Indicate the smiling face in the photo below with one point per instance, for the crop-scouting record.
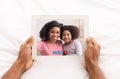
(54, 33)
(66, 36)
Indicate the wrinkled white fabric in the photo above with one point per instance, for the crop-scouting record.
(15, 28)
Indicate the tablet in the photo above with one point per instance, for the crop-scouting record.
(38, 21)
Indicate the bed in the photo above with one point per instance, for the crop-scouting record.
(15, 28)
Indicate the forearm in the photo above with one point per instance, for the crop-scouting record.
(16, 71)
(94, 71)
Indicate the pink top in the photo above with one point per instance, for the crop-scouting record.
(46, 48)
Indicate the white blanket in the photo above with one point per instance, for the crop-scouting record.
(15, 28)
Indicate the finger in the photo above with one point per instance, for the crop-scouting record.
(30, 42)
(94, 42)
(25, 42)
(22, 45)
(88, 41)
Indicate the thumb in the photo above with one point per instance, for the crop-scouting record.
(30, 41)
(88, 41)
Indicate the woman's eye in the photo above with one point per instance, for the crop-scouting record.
(58, 32)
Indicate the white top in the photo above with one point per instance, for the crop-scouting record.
(73, 48)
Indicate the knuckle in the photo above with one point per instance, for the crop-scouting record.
(91, 46)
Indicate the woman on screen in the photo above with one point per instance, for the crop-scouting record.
(50, 43)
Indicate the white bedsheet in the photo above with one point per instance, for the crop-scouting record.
(15, 28)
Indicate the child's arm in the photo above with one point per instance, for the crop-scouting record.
(78, 47)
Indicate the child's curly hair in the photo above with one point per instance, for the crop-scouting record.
(74, 30)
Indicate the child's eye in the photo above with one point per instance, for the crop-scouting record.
(63, 34)
(68, 34)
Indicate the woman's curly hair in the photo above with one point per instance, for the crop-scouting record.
(44, 32)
